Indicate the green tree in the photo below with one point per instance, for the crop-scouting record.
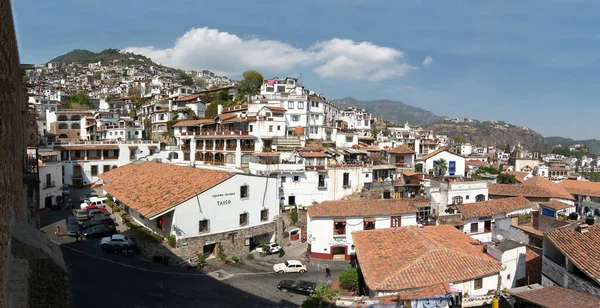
(223, 96)
(506, 178)
(78, 100)
(562, 151)
(374, 131)
(186, 79)
(440, 167)
(460, 139)
(321, 294)
(350, 276)
(294, 215)
(488, 169)
(251, 82)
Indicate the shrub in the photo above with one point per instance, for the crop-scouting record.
(201, 260)
(122, 214)
(294, 215)
(235, 259)
(350, 276)
(264, 247)
(171, 240)
(286, 234)
(221, 252)
(250, 257)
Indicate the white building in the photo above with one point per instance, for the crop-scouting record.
(512, 255)
(479, 217)
(455, 163)
(330, 224)
(434, 261)
(51, 177)
(443, 194)
(357, 119)
(202, 208)
(466, 149)
(85, 161)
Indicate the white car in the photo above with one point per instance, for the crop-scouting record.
(289, 266)
(118, 240)
(273, 248)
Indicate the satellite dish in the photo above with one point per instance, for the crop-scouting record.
(499, 237)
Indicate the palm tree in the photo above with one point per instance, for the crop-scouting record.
(440, 167)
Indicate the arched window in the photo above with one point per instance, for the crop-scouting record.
(480, 197)
(75, 126)
(62, 118)
(173, 155)
(199, 156)
(63, 126)
(75, 118)
(114, 167)
(457, 200)
(63, 136)
(230, 159)
(219, 157)
(246, 158)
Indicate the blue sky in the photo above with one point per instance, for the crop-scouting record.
(530, 63)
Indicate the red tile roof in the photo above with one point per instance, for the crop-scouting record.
(493, 207)
(556, 205)
(193, 122)
(535, 187)
(520, 176)
(82, 147)
(152, 188)
(187, 98)
(362, 208)
(313, 154)
(274, 108)
(583, 188)
(411, 257)
(418, 293)
(582, 249)
(440, 150)
(401, 149)
(311, 148)
(558, 297)
(477, 163)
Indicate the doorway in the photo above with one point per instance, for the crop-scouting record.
(291, 200)
(48, 202)
(209, 250)
(338, 252)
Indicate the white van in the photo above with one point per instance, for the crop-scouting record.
(97, 201)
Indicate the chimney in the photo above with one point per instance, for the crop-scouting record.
(219, 109)
(582, 228)
(535, 219)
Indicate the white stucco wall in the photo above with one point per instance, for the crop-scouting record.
(460, 162)
(222, 206)
(513, 261)
(55, 171)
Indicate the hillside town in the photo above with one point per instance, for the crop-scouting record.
(282, 170)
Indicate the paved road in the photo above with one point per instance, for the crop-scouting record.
(99, 282)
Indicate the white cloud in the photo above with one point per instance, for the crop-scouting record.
(228, 54)
(428, 60)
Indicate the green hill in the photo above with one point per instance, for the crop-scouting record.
(593, 145)
(85, 56)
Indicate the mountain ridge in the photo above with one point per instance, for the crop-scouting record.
(383, 108)
(86, 56)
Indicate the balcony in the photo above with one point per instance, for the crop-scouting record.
(216, 133)
(248, 149)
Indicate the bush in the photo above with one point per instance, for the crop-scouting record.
(294, 215)
(201, 260)
(145, 233)
(250, 257)
(235, 259)
(350, 276)
(264, 247)
(171, 240)
(221, 252)
(122, 214)
(286, 234)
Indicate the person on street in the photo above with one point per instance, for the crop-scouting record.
(328, 271)
(57, 232)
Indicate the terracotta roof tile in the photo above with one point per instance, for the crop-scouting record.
(401, 149)
(187, 98)
(313, 154)
(583, 188)
(535, 187)
(428, 156)
(477, 163)
(274, 108)
(520, 176)
(582, 249)
(556, 205)
(418, 293)
(311, 148)
(493, 207)
(82, 147)
(158, 187)
(558, 297)
(411, 257)
(369, 207)
(193, 122)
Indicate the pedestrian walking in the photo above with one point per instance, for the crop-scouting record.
(328, 271)
(77, 236)
(57, 232)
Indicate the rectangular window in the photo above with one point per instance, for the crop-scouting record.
(244, 191)
(280, 88)
(321, 180)
(346, 179)
(369, 224)
(243, 219)
(203, 226)
(396, 221)
(270, 89)
(290, 105)
(295, 118)
(478, 283)
(94, 170)
(296, 178)
(349, 138)
(339, 226)
(474, 227)
(270, 128)
(451, 167)
(300, 105)
(250, 128)
(467, 197)
(283, 179)
(264, 215)
(278, 127)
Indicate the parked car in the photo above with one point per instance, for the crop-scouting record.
(80, 215)
(289, 266)
(93, 207)
(73, 226)
(273, 248)
(96, 211)
(92, 194)
(116, 241)
(98, 220)
(99, 231)
(96, 201)
(297, 286)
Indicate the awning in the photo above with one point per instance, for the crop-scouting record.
(369, 219)
(337, 220)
